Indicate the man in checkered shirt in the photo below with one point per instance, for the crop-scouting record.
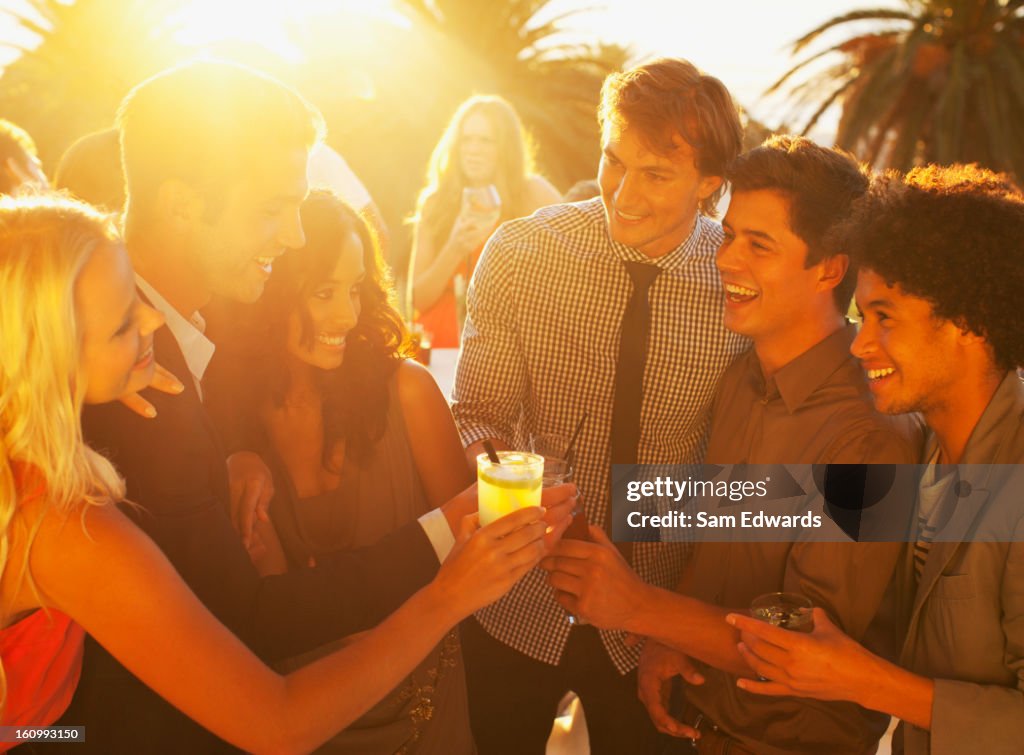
(540, 349)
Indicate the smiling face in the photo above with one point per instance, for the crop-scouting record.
(650, 200)
(258, 223)
(116, 327)
(478, 149)
(910, 357)
(769, 293)
(333, 310)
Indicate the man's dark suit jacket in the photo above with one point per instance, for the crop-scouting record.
(175, 470)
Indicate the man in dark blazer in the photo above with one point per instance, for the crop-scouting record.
(215, 163)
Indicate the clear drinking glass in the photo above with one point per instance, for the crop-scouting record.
(558, 470)
(482, 203)
(784, 609)
(513, 484)
(552, 446)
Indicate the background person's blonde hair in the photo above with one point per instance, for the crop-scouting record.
(441, 199)
(44, 243)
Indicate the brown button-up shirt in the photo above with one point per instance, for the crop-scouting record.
(817, 409)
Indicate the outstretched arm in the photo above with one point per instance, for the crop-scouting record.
(592, 580)
(120, 588)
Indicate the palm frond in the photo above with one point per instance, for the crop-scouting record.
(875, 14)
(840, 47)
(813, 90)
(938, 80)
(948, 128)
(826, 104)
(993, 111)
(869, 101)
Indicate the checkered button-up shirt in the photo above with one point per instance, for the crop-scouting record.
(539, 349)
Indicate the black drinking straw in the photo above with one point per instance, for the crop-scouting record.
(570, 452)
(491, 453)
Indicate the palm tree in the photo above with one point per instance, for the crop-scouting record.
(937, 81)
(90, 54)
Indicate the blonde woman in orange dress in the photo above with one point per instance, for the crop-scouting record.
(483, 150)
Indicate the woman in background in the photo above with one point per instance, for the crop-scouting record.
(358, 437)
(75, 332)
(484, 146)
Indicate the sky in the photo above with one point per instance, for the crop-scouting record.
(742, 42)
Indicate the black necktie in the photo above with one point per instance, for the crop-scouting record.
(629, 377)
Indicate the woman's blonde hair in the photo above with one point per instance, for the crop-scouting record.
(441, 199)
(45, 242)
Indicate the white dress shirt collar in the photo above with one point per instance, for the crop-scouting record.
(188, 332)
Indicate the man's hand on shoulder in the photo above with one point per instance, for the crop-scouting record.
(252, 488)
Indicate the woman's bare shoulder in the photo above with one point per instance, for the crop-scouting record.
(415, 384)
(60, 543)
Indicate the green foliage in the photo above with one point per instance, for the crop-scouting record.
(940, 81)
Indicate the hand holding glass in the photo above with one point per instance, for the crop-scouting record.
(482, 203)
(784, 609)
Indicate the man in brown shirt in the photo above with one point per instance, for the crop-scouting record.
(798, 397)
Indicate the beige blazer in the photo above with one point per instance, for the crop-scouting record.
(966, 618)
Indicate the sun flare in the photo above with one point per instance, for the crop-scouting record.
(271, 24)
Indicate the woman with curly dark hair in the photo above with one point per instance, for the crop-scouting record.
(359, 438)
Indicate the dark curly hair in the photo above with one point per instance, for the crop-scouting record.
(952, 236)
(820, 184)
(355, 396)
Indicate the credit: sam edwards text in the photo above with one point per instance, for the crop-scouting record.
(743, 520)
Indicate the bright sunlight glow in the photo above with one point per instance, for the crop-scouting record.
(271, 24)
